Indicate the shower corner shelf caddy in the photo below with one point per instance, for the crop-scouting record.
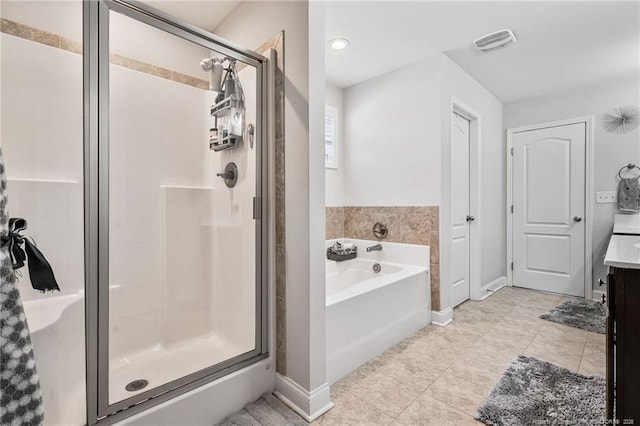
(228, 107)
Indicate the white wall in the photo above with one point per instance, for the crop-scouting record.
(251, 24)
(392, 129)
(334, 178)
(487, 191)
(610, 151)
(396, 153)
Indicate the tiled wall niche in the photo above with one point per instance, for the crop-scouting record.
(409, 225)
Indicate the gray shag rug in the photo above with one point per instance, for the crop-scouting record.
(591, 316)
(534, 392)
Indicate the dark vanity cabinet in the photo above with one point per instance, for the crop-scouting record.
(623, 346)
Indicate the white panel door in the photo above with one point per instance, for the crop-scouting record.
(459, 209)
(548, 209)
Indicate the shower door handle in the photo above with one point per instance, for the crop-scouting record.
(256, 208)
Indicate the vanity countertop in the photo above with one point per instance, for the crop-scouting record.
(623, 252)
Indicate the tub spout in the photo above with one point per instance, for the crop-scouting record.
(377, 247)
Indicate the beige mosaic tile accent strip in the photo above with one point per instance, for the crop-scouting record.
(408, 225)
(49, 39)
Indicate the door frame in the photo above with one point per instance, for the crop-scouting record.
(588, 199)
(466, 111)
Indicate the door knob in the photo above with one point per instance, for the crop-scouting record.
(577, 219)
(470, 218)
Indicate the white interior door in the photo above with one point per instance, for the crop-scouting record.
(460, 209)
(548, 209)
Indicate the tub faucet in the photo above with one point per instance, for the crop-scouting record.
(377, 247)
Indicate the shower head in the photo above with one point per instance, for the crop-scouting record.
(207, 63)
(214, 66)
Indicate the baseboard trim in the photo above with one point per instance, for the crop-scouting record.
(442, 318)
(308, 405)
(493, 286)
(597, 294)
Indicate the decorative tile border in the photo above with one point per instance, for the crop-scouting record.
(53, 40)
(408, 225)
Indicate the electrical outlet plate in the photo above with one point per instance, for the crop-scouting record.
(606, 197)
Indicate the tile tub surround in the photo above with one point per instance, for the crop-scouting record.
(466, 359)
(406, 224)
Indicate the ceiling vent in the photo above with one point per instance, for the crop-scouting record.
(495, 40)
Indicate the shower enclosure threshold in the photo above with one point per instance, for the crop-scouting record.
(163, 363)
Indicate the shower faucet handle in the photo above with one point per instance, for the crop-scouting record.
(230, 174)
(227, 174)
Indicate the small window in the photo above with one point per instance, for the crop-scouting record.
(330, 137)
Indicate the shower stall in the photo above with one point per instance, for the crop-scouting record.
(148, 192)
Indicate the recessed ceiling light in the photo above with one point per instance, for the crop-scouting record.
(339, 43)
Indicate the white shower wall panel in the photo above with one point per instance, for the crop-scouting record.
(42, 145)
(41, 112)
(185, 243)
(188, 270)
(158, 141)
(233, 297)
(53, 210)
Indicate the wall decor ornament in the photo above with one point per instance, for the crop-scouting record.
(621, 120)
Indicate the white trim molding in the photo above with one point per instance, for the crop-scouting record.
(492, 286)
(443, 317)
(308, 405)
(599, 294)
(588, 199)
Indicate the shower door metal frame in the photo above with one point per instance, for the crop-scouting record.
(96, 193)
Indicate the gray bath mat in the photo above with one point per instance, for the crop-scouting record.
(591, 316)
(534, 392)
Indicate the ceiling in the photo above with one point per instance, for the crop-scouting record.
(561, 44)
(203, 14)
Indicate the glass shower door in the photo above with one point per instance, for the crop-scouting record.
(180, 277)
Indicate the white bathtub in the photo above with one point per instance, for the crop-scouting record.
(368, 312)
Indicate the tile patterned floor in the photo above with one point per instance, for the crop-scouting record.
(441, 375)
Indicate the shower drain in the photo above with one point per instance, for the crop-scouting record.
(137, 385)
